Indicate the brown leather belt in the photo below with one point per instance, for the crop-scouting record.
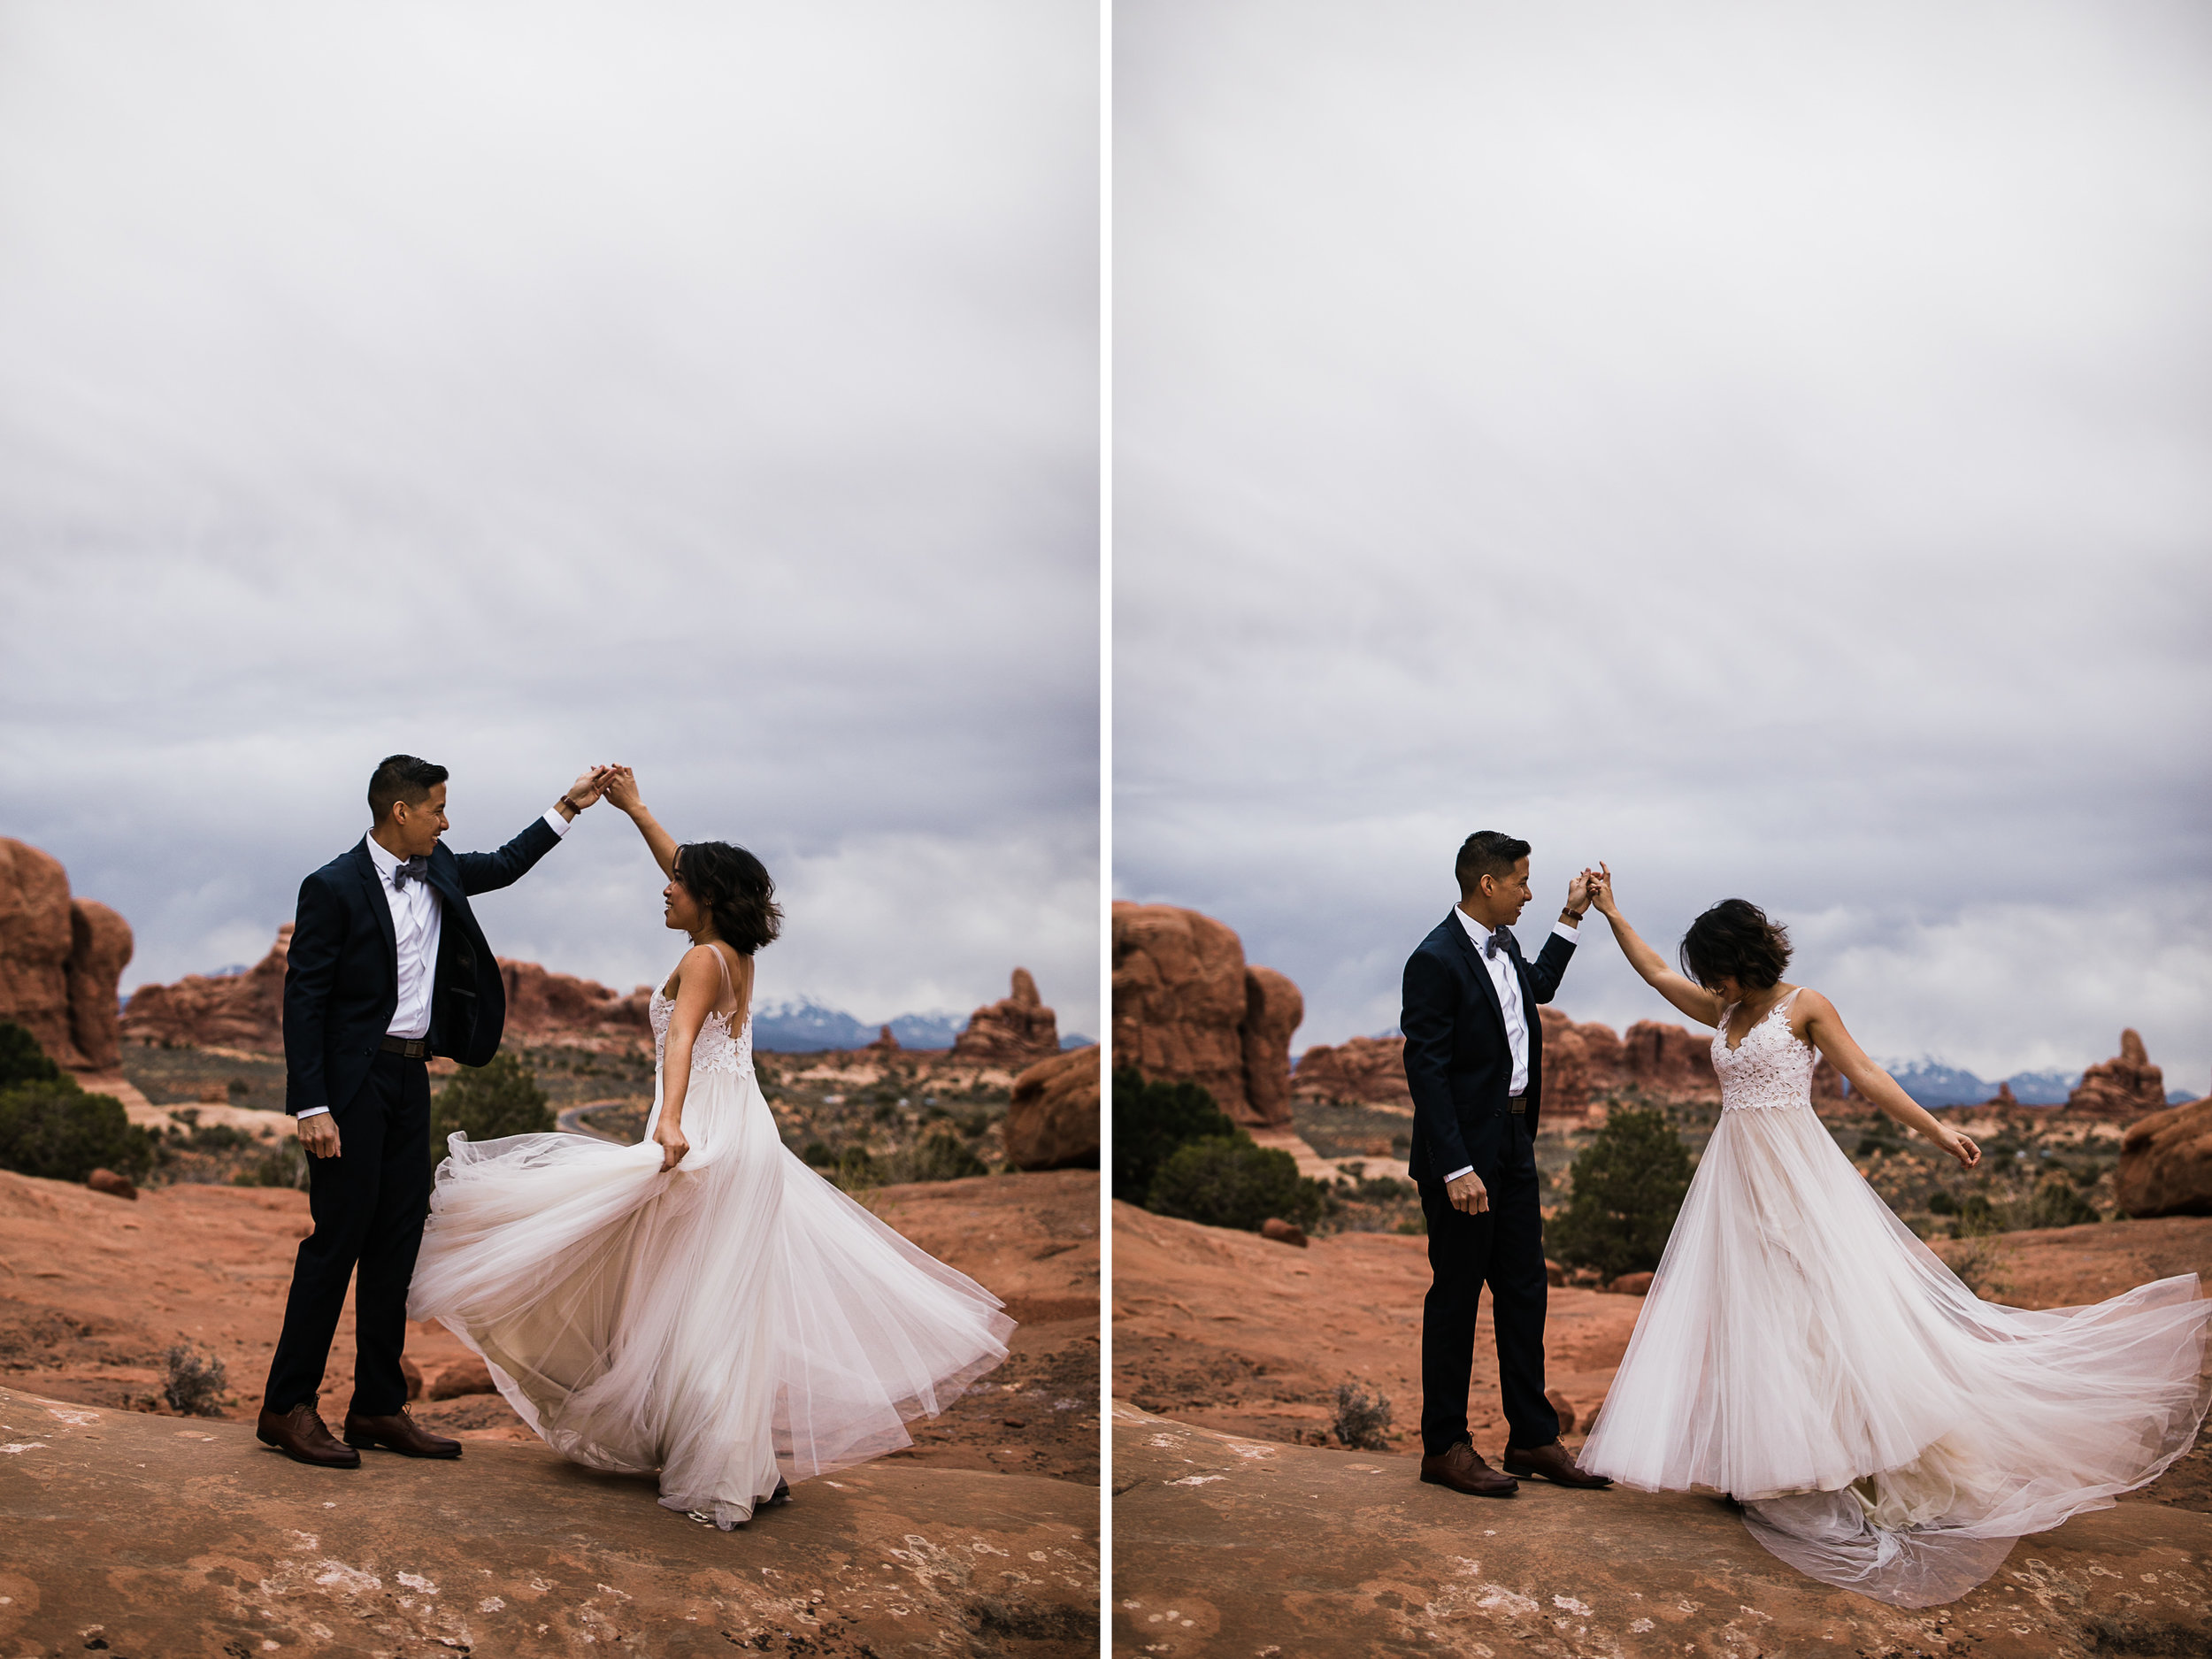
(413, 1047)
(1517, 1104)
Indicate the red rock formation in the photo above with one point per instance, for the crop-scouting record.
(1052, 1121)
(1368, 1070)
(545, 1007)
(884, 1044)
(2166, 1163)
(1669, 1062)
(2125, 1087)
(1580, 1062)
(60, 959)
(239, 1011)
(1017, 1030)
(1272, 1010)
(1187, 1008)
(246, 1010)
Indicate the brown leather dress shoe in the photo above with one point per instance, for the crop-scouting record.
(398, 1432)
(1463, 1470)
(1552, 1463)
(301, 1436)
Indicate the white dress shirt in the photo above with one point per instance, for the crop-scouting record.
(417, 921)
(1509, 983)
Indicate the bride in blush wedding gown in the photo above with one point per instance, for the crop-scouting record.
(1884, 1429)
(700, 1305)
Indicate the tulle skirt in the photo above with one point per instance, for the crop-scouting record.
(733, 1322)
(1885, 1430)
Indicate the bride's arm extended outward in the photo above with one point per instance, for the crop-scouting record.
(1692, 998)
(620, 789)
(1825, 1029)
(698, 987)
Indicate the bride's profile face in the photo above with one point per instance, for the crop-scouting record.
(678, 910)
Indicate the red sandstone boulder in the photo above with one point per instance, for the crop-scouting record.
(60, 960)
(1630, 1285)
(1370, 1070)
(1052, 1121)
(1188, 1010)
(2166, 1163)
(113, 1185)
(1564, 1409)
(466, 1376)
(1274, 1227)
(2125, 1087)
(1015, 1030)
(241, 1011)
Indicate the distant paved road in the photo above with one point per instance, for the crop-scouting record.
(573, 1121)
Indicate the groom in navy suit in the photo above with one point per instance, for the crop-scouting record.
(388, 967)
(1474, 1061)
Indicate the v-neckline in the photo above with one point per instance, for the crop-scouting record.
(1754, 1025)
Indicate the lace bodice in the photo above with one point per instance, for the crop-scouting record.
(1770, 1068)
(715, 1049)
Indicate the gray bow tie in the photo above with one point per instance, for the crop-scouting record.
(416, 869)
(1498, 941)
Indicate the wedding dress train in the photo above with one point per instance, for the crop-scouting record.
(734, 1321)
(1885, 1430)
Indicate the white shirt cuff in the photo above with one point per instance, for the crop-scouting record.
(561, 825)
(1455, 1174)
(306, 1112)
(1566, 931)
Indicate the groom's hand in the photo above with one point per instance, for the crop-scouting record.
(1580, 892)
(319, 1135)
(584, 791)
(1468, 1193)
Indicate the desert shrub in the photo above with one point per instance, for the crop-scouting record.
(213, 1138)
(1150, 1121)
(852, 1169)
(1628, 1185)
(1361, 1423)
(2058, 1202)
(1976, 1215)
(1941, 1203)
(195, 1386)
(1228, 1181)
(21, 1059)
(54, 1129)
(943, 1157)
(1979, 1260)
(285, 1166)
(488, 1101)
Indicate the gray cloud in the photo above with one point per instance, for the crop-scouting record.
(1761, 448)
(712, 388)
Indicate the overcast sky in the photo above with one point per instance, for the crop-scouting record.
(711, 386)
(1762, 447)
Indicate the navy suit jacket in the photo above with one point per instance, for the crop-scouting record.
(1458, 1063)
(341, 982)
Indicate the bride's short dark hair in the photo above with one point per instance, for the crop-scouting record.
(736, 889)
(1736, 940)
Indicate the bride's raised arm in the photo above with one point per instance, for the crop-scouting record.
(1692, 998)
(1823, 1029)
(620, 790)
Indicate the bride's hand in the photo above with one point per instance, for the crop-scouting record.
(1602, 891)
(669, 1138)
(1961, 1148)
(620, 788)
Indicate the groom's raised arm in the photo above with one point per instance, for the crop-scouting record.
(488, 873)
(311, 969)
(1424, 1016)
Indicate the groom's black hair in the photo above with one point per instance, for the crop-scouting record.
(1736, 940)
(1486, 853)
(400, 778)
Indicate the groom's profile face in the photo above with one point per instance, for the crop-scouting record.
(1506, 896)
(417, 825)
